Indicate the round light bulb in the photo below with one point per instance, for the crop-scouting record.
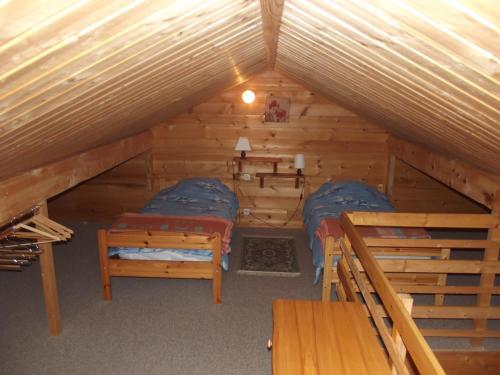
(248, 96)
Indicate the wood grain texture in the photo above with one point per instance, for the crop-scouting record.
(469, 362)
(83, 74)
(365, 55)
(271, 11)
(49, 283)
(480, 186)
(337, 144)
(115, 267)
(431, 276)
(312, 338)
(22, 192)
(415, 343)
(415, 191)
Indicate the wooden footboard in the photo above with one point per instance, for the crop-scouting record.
(112, 267)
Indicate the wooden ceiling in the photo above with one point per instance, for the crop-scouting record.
(77, 74)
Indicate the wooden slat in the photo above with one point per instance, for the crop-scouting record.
(413, 340)
(439, 266)
(469, 362)
(452, 312)
(425, 243)
(158, 239)
(400, 219)
(371, 306)
(151, 268)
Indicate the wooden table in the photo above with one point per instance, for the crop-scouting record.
(317, 338)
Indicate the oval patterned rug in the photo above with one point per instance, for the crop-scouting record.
(269, 256)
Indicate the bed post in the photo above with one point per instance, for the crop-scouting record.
(328, 268)
(216, 274)
(103, 258)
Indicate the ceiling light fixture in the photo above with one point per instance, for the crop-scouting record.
(248, 96)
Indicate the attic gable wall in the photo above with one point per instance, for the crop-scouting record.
(338, 145)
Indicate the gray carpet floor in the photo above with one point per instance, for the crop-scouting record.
(151, 326)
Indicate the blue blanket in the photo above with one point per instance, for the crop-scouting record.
(195, 197)
(330, 200)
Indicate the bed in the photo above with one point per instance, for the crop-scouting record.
(183, 232)
(321, 213)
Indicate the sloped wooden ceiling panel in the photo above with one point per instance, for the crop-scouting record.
(427, 70)
(78, 74)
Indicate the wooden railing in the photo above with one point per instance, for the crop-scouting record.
(405, 335)
(461, 289)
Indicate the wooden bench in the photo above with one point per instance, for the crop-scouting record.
(313, 337)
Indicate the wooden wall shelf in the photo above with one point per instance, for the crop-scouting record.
(255, 159)
(281, 175)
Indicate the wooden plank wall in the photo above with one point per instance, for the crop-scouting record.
(414, 191)
(337, 145)
(123, 188)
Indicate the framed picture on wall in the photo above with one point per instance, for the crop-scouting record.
(277, 109)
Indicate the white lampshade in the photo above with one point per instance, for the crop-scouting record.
(243, 144)
(299, 161)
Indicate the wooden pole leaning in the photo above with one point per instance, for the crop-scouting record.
(48, 274)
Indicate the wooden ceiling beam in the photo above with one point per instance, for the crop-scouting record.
(24, 191)
(271, 10)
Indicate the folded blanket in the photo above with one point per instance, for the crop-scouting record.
(332, 227)
(205, 225)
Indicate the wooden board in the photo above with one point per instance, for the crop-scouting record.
(467, 362)
(113, 267)
(312, 337)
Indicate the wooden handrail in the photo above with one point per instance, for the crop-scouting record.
(425, 220)
(372, 307)
(421, 353)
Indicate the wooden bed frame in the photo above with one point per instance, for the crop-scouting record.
(485, 266)
(111, 266)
